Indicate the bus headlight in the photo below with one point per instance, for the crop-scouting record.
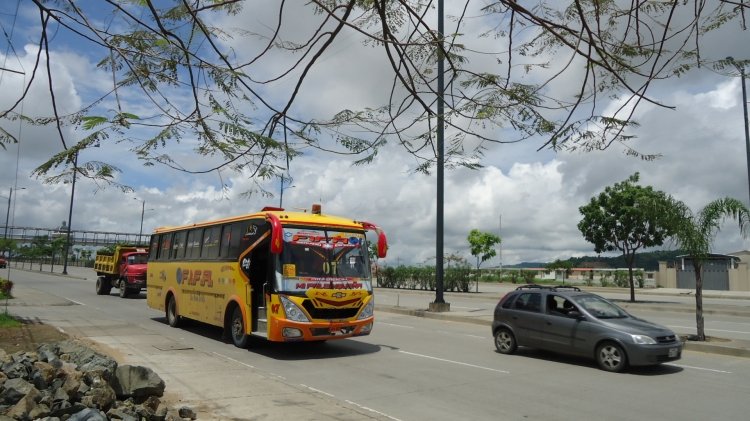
(292, 311)
(367, 311)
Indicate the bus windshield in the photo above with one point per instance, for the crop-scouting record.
(319, 258)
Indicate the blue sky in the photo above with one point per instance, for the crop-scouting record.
(536, 192)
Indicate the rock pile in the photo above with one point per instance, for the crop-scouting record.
(68, 381)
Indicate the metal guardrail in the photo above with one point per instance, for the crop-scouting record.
(77, 237)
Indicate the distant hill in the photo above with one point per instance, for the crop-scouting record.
(647, 261)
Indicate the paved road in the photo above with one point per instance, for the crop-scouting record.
(409, 369)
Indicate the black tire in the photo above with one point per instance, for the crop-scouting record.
(103, 287)
(237, 329)
(505, 341)
(123, 289)
(611, 357)
(173, 319)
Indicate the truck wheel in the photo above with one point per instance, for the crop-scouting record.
(103, 287)
(173, 319)
(237, 329)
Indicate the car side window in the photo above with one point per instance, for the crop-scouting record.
(555, 305)
(529, 301)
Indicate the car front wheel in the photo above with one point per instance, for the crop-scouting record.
(611, 357)
(505, 342)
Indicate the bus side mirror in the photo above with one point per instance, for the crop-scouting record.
(382, 240)
(277, 233)
(382, 245)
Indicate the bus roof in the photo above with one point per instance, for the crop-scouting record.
(285, 217)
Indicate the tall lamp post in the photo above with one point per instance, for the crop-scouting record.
(282, 188)
(143, 211)
(7, 214)
(70, 214)
(741, 69)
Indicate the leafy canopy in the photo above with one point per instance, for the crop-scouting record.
(483, 245)
(205, 75)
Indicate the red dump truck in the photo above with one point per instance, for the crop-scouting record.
(125, 270)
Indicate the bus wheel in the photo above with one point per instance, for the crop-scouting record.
(173, 319)
(237, 329)
(102, 286)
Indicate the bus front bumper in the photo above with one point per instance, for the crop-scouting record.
(289, 331)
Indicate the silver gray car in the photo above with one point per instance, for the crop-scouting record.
(570, 321)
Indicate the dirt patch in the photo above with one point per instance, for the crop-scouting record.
(28, 336)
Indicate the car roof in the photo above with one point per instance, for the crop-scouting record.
(571, 291)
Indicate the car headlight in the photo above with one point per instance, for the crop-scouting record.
(367, 311)
(643, 340)
(292, 311)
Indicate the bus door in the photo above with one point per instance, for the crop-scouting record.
(255, 265)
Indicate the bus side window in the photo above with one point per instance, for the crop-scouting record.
(193, 247)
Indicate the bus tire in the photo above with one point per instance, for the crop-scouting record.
(237, 328)
(173, 319)
(103, 287)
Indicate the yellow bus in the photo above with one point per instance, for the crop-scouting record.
(284, 276)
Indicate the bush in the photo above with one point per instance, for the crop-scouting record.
(6, 287)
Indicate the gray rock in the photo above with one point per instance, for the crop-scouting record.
(88, 414)
(137, 381)
(14, 390)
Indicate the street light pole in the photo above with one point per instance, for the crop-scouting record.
(70, 214)
(143, 210)
(744, 109)
(7, 215)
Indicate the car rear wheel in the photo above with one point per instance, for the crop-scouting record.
(505, 342)
(237, 329)
(173, 319)
(611, 357)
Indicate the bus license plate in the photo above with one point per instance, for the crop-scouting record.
(673, 352)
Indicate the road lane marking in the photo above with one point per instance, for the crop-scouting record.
(395, 325)
(700, 368)
(454, 362)
(317, 390)
(476, 336)
(233, 360)
(371, 410)
(74, 301)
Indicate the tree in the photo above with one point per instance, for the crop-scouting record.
(627, 217)
(184, 60)
(40, 248)
(56, 247)
(565, 265)
(483, 245)
(694, 234)
(8, 245)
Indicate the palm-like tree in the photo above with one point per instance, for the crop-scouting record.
(695, 234)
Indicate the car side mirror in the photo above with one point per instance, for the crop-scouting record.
(575, 314)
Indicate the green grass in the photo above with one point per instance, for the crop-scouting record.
(6, 320)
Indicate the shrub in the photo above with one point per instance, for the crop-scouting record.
(6, 287)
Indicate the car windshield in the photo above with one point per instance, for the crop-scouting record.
(318, 258)
(599, 307)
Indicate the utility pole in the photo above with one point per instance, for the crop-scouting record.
(741, 69)
(70, 214)
(440, 305)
